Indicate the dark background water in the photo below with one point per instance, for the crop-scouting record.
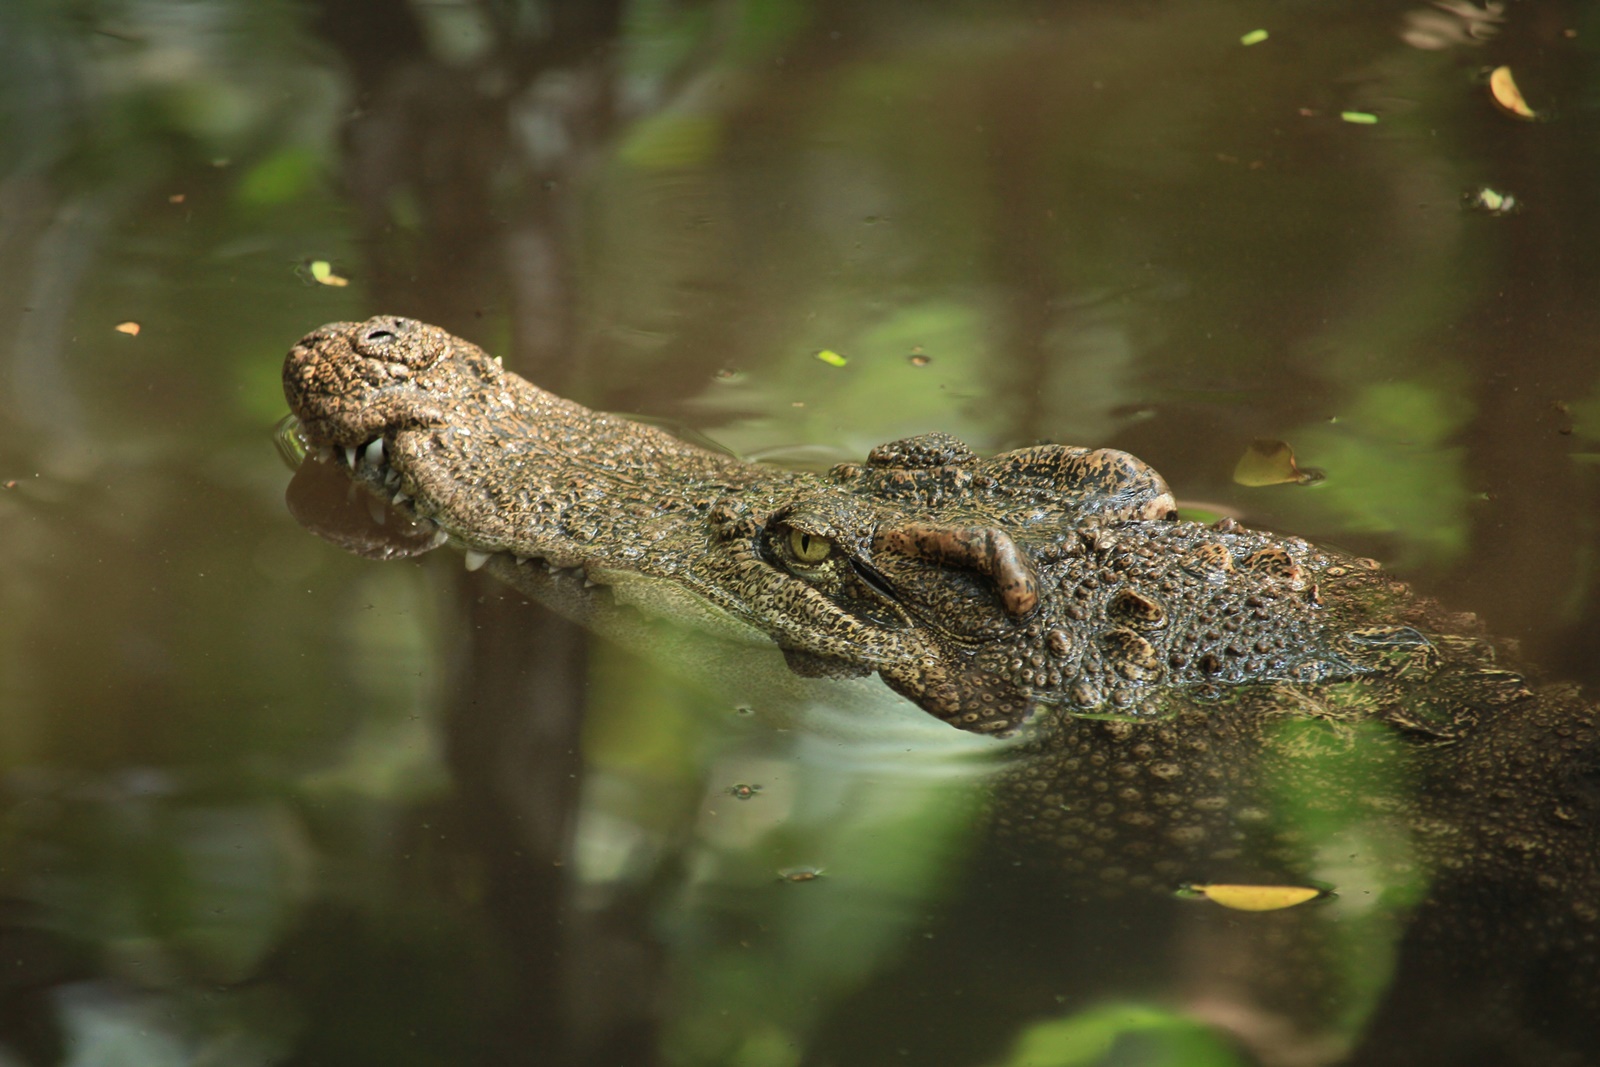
(269, 803)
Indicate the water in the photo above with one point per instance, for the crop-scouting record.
(267, 802)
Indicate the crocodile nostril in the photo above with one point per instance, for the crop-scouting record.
(377, 336)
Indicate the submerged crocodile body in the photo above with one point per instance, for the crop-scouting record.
(988, 591)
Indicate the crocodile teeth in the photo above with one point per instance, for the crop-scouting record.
(374, 452)
(400, 497)
(476, 559)
(350, 456)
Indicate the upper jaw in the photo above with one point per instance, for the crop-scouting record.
(350, 383)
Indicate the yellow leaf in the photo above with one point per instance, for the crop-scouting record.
(130, 328)
(1504, 88)
(832, 358)
(322, 271)
(1257, 897)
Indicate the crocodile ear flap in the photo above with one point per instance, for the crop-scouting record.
(987, 550)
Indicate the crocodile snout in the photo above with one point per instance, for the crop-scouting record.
(352, 382)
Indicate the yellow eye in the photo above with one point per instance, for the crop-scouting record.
(809, 548)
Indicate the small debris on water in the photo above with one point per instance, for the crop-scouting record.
(801, 874)
(1253, 37)
(130, 328)
(744, 709)
(727, 375)
(177, 198)
(11, 483)
(1492, 201)
(1253, 897)
(832, 358)
(919, 358)
(322, 274)
(1269, 461)
(1359, 118)
(743, 791)
(1503, 87)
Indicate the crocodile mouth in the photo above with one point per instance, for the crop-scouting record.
(367, 467)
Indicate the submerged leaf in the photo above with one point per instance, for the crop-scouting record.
(1269, 461)
(1256, 897)
(1088, 1037)
(1504, 89)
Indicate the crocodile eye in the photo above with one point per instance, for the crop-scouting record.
(809, 548)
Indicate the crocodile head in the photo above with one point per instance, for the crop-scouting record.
(981, 588)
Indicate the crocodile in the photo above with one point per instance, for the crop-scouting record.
(1173, 690)
(990, 591)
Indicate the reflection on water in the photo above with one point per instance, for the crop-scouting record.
(269, 802)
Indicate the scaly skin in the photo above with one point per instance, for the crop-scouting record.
(986, 590)
(1205, 703)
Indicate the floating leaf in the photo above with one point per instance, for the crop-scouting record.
(322, 272)
(1255, 897)
(1360, 118)
(832, 358)
(130, 328)
(1253, 37)
(1504, 89)
(1269, 461)
(1491, 201)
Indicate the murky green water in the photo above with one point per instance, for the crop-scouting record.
(269, 803)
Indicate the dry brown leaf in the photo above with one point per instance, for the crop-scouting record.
(130, 328)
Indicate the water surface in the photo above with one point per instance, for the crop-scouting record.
(267, 802)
